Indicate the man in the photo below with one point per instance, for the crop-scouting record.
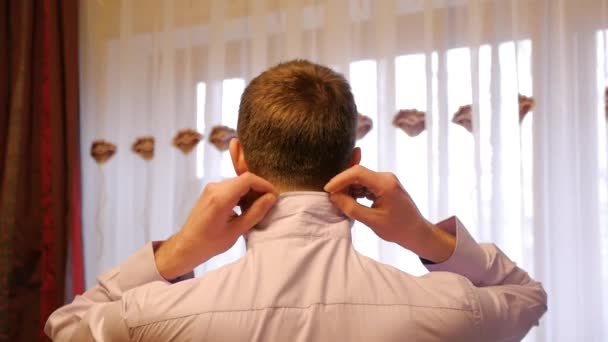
(301, 279)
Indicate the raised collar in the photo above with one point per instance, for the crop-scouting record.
(307, 214)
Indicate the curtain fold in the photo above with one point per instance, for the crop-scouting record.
(536, 186)
(40, 177)
(566, 171)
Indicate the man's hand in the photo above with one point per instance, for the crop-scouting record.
(393, 216)
(212, 226)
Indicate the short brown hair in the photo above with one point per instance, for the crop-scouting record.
(297, 124)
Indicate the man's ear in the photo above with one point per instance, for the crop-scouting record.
(238, 157)
(355, 157)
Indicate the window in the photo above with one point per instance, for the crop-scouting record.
(472, 182)
(412, 153)
(232, 89)
(363, 82)
(472, 179)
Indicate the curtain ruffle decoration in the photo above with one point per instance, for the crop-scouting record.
(220, 137)
(411, 121)
(463, 117)
(102, 151)
(364, 125)
(144, 146)
(186, 140)
(526, 105)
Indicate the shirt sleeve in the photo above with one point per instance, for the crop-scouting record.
(97, 315)
(508, 301)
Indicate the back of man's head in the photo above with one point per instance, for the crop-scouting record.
(297, 125)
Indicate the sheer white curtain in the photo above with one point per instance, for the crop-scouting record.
(537, 189)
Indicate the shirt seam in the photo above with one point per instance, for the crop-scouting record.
(475, 302)
(139, 325)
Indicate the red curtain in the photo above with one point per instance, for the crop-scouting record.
(39, 163)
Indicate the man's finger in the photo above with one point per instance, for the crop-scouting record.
(255, 213)
(351, 208)
(356, 175)
(248, 181)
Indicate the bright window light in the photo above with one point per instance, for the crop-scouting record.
(363, 82)
(200, 125)
(460, 142)
(410, 82)
(410, 90)
(232, 89)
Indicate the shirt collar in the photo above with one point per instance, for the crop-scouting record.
(308, 214)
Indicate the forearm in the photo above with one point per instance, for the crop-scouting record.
(435, 245)
(482, 264)
(174, 260)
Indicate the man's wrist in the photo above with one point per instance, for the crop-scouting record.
(169, 263)
(432, 243)
(440, 247)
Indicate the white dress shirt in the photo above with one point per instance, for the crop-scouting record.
(301, 280)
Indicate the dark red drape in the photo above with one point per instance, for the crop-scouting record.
(39, 163)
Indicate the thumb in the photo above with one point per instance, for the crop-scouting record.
(255, 213)
(351, 208)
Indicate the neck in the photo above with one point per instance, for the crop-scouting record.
(284, 184)
(283, 189)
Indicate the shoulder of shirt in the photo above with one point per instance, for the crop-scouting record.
(161, 301)
(441, 290)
